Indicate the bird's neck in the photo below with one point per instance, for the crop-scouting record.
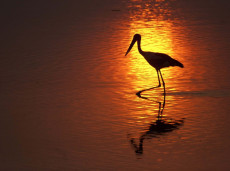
(139, 46)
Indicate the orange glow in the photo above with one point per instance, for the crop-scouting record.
(156, 39)
(157, 36)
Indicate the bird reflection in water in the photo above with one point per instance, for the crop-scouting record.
(157, 128)
(162, 124)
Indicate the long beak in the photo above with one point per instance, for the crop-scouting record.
(131, 45)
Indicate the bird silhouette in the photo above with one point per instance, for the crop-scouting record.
(156, 60)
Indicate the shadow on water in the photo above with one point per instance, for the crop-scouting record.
(160, 126)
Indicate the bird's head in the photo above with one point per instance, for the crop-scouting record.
(136, 37)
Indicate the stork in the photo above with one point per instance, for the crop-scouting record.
(155, 59)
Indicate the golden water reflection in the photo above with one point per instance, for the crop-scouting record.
(160, 126)
(152, 20)
(156, 39)
(157, 36)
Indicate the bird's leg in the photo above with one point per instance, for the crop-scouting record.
(159, 85)
(163, 105)
(162, 81)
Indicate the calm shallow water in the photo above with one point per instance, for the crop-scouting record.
(68, 92)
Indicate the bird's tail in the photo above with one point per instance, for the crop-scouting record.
(177, 63)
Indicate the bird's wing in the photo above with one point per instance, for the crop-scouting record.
(163, 56)
(168, 61)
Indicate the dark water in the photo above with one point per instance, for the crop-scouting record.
(68, 94)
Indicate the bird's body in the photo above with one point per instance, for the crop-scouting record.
(160, 60)
(156, 60)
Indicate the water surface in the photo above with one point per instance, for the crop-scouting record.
(68, 93)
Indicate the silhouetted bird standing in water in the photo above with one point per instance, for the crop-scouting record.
(156, 60)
